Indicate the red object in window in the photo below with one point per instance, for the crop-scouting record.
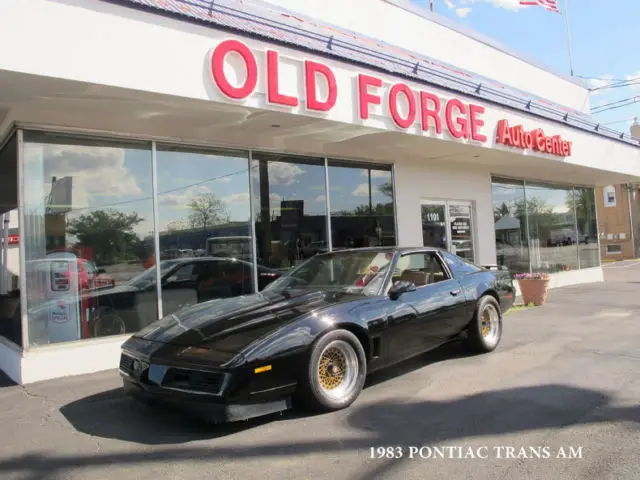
(14, 239)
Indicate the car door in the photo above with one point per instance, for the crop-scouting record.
(179, 287)
(437, 299)
(465, 272)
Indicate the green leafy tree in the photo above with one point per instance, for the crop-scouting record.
(582, 203)
(501, 211)
(110, 234)
(379, 209)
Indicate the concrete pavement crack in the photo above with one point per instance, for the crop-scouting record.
(49, 417)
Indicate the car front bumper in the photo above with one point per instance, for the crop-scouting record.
(199, 406)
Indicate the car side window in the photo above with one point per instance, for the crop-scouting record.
(184, 273)
(423, 268)
(458, 266)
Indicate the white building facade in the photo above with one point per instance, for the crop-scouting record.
(141, 132)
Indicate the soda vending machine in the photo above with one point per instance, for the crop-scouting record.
(63, 295)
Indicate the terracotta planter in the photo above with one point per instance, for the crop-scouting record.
(534, 291)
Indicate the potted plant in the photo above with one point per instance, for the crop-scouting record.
(534, 287)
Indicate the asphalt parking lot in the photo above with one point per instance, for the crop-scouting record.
(566, 379)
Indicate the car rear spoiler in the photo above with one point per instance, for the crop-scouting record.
(495, 267)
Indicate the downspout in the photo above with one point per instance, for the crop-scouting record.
(633, 239)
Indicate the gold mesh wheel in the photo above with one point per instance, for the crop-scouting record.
(337, 370)
(331, 368)
(490, 324)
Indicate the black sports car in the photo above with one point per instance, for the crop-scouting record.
(315, 333)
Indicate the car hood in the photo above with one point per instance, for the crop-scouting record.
(229, 325)
(115, 290)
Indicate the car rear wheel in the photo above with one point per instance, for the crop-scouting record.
(108, 323)
(485, 330)
(336, 372)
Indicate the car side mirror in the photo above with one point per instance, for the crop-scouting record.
(401, 287)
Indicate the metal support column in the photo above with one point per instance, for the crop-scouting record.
(252, 227)
(156, 227)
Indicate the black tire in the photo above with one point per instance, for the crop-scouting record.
(312, 394)
(478, 339)
(108, 323)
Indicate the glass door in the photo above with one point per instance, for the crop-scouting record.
(434, 225)
(448, 225)
(461, 232)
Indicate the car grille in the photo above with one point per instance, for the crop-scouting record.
(194, 381)
(126, 364)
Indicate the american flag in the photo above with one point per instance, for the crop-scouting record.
(550, 5)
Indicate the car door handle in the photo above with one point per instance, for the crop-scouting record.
(455, 292)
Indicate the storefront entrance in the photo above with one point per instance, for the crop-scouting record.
(449, 225)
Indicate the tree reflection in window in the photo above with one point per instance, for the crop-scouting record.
(367, 195)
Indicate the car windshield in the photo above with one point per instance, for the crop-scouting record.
(148, 277)
(351, 271)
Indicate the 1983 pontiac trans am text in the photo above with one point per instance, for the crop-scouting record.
(313, 335)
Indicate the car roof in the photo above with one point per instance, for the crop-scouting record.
(387, 249)
(205, 259)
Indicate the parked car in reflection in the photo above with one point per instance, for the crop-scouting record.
(185, 282)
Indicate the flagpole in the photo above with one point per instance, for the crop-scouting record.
(566, 20)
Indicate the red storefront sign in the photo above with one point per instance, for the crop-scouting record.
(534, 140)
(462, 120)
(13, 239)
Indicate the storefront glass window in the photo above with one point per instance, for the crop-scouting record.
(88, 236)
(290, 207)
(509, 213)
(552, 228)
(362, 211)
(205, 237)
(585, 208)
(10, 315)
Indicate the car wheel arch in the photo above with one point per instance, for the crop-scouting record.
(492, 293)
(361, 335)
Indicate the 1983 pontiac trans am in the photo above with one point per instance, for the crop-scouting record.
(311, 337)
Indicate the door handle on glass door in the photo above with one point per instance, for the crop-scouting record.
(455, 292)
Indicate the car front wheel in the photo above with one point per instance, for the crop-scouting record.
(336, 372)
(485, 330)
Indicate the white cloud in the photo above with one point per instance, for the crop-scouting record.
(96, 172)
(243, 198)
(598, 83)
(274, 198)
(283, 173)
(321, 198)
(376, 174)
(280, 173)
(181, 199)
(361, 190)
(237, 198)
(513, 5)
(635, 77)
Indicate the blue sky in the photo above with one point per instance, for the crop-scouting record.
(603, 33)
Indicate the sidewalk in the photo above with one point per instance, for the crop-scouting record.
(566, 374)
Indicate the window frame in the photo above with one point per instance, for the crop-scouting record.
(399, 255)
